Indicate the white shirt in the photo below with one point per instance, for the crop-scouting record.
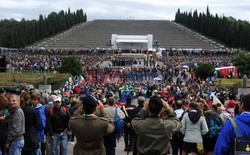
(179, 112)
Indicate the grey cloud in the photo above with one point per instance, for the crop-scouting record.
(123, 9)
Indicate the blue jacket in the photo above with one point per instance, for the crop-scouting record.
(124, 96)
(41, 117)
(227, 136)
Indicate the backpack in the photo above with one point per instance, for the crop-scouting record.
(178, 135)
(241, 143)
(215, 126)
(51, 111)
(119, 125)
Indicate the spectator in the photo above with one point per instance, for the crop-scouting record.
(177, 138)
(71, 109)
(31, 143)
(154, 133)
(214, 124)
(41, 117)
(193, 127)
(50, 103)
(48, 107)
(224, 115)
(90, 129)
(135, 111)
(110, 140)
(4, 114)
(227, 135)
(58, 127)
(16, 127)
(128, 128)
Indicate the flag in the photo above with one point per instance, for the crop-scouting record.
(79, 78)
(83, 81)
(216, 100)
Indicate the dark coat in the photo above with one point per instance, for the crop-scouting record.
(31, 133)
(89, 133)
(3, 130)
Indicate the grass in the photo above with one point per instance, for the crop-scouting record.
(231, 82)
(7, 79)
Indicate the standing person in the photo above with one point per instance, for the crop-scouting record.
(110, 140)
(50, 103)
(47, 108)
(90, 129)
(31, 143)
(16, 127)
(41, 119)
(71, 109)
(58, 127)
(128, 128)
(214, 124)
(135, 111)
(154, 133)
(177, 138)
(193, 127)
(227, 136)
(4, 114)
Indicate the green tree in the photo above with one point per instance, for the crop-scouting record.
(242, 62)
(227, 30)
(18, 34)
(71, 65)
(204, 71)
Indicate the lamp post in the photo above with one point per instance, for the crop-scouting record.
(156, 45)
(244, 81)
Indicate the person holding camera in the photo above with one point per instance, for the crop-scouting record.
(90, 129)
(154, 133)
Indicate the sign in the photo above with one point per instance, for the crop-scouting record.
(45, 88)
(243, 91)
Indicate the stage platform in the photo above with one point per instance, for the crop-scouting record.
(131, 55)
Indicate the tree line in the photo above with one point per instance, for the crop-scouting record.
(18, 34)
(228, 30)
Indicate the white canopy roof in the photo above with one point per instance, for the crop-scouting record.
(131, 41)
(219, 68)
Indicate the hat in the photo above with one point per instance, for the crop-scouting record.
(89, 100)
(57, 98)
(155, 100)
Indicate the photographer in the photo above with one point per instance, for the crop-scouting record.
(90, 129)
(155, 130)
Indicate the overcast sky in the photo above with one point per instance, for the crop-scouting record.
(123, 9)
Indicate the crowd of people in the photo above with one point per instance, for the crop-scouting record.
(178, 111)
(126, 62)
(179, 115)
(46, 63)
(189, 108)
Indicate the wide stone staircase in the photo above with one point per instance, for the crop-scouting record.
(97, 33)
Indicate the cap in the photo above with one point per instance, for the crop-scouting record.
(155, 100)
(57, 98)
(89, 100)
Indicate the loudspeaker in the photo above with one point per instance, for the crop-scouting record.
(3, 63)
